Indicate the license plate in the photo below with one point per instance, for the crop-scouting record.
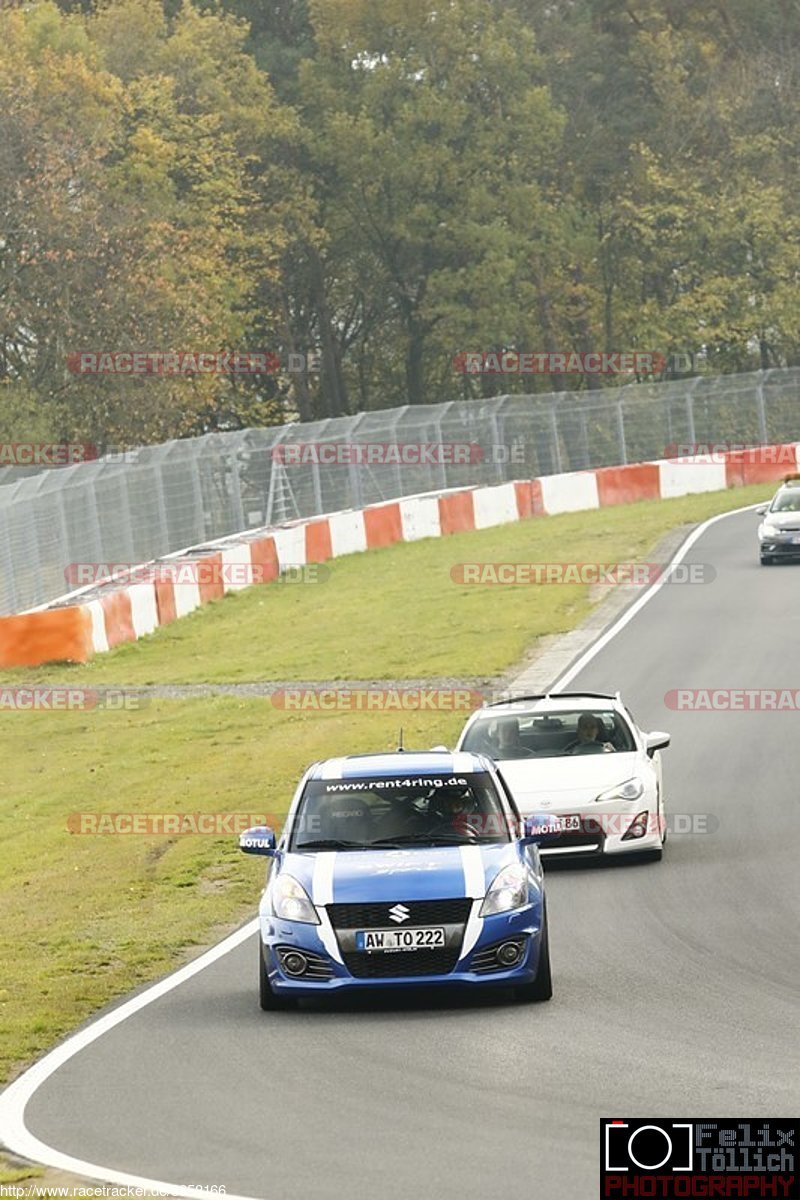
(570, 824)
(399, 939)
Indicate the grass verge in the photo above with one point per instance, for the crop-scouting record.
(86, 917)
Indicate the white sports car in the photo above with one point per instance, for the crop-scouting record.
(581, 757)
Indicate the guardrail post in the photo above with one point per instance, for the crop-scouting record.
(164, 547)
(763, 435)
(556, 453)
(623, 448)
(690, 417)
(236, 490)
(499, 464)
(8, 590)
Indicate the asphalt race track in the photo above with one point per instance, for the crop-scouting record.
(675, 982)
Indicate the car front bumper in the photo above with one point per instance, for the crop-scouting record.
(603, 833)
(478, 967)
(769, 548)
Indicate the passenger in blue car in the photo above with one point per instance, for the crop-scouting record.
(344, 818)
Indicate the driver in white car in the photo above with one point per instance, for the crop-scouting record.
(588, 731)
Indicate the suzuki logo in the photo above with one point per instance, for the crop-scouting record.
(399, 913)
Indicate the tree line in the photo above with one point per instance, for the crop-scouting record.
(365, 191)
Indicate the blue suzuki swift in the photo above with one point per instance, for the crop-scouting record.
(402, 870)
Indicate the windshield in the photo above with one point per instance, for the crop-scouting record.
(400, 811)
(786, 501)
(549, 735)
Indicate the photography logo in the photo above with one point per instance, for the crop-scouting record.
(702, 1158)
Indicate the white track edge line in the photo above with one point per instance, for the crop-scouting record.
(617, 626)
(15, 1136)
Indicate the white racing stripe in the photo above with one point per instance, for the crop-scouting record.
(322, 894)
(333, 769)
(14, 1135)
(462, 762)
(474, 874)
(474, 886)
(322, 880)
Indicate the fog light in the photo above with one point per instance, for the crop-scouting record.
(295, 963)
(509, 953)
(637, 827)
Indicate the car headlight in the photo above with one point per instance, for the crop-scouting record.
(291, 902)
(509, 890)
(631, 789)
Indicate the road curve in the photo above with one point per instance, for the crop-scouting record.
(675, 983)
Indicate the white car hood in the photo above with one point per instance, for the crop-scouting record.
(559, 784)
(781, 520)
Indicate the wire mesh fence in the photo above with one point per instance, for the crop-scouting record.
(163, 498)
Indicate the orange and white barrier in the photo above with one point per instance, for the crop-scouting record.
(99, 618)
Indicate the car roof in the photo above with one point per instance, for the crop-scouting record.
(790, 483)
(400, 762)
(552, 702)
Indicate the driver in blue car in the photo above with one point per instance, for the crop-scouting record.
(455, 812)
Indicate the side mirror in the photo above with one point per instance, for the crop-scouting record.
(762, 508)
(540, 828)
(258, 840)
(656, 741)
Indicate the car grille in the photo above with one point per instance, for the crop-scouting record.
(423, 912)
(452, 914)
(403, 964)
(591, 833)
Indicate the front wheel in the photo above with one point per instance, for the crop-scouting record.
(269, 1000)
(542, 986)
